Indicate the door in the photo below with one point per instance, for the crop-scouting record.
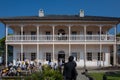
(48, 56)
(61, 57)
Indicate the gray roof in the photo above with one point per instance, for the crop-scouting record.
(61, 17)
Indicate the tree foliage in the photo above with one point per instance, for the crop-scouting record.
(118, 35)
(3, 49)
(2, 45)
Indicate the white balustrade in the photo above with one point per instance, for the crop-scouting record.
(60, 38)
(77, 38)
(45, 37)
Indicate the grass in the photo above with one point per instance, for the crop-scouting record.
(99, 76)
(115, 76)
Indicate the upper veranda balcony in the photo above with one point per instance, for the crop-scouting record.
(58, 38)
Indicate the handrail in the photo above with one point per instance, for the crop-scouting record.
(61, 38)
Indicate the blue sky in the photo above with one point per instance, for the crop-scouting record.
(10, 8)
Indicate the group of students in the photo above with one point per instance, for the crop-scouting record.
(69, 69)
(16, 70)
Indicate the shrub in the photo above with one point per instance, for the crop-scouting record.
(46, 74)
(51, 74)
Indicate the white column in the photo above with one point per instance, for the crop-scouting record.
(115, 32)
(37, 44)
(85, 32)
(6, 27)
(115, 47)
(69, 49)
(114, 55)
(100, 54)
(69, 32)
(69, 40)
(53, 53)
(103, 59)
(21, 43)
(116, 44)
(100, 27)
(37, 33)
(85, 46)
(38, 53)
(6, 57)
(84, 55)
(21, 32)
(53, 27)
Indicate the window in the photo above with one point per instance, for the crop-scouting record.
(89, 32)
(89, 56)
(99, 32)
(74, 54)
(48, 56)
(33, 56)
(100, 56)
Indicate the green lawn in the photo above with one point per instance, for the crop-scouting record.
(96, 76)
(99, 76)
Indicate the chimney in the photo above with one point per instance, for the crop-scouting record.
(41, 13)
(81, 14)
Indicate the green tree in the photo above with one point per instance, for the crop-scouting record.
(2, 46)
(3, 49)
(118, 35)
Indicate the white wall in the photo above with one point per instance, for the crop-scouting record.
(28, 49)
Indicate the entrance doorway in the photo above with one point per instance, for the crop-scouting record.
(61, 57)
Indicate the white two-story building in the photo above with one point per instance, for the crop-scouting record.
(56, 37)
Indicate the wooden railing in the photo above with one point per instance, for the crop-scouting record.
(61, 38)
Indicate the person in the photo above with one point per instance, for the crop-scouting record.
(69, 71)
(55, 66)
(40, 67)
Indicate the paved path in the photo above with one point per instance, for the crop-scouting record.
(80, 76)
